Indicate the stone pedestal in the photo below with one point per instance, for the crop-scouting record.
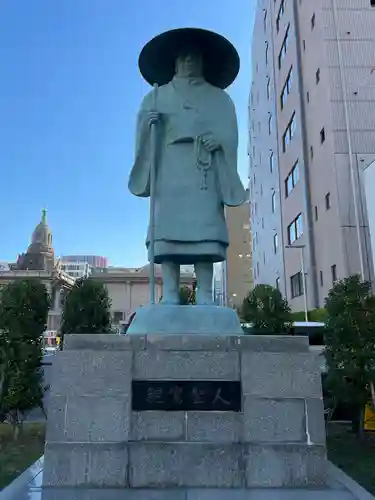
(95, 440)
(179, 320)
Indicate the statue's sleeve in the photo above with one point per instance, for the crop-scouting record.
(232, 190)
(139, 179)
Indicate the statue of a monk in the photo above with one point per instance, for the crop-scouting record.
(196, 155)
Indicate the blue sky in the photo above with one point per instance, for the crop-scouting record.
(69, 94)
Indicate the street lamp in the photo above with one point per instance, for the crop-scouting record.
(301, 248)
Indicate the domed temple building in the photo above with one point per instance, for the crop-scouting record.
(40, 255)
(39, 262)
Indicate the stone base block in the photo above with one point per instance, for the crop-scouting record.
(286, 466)
(164, 319)
(195, 494)
(83, 464)
(96, 439)
(169, 465)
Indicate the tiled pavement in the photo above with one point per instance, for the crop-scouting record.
(28, 487)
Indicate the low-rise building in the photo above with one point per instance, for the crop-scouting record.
(128, 288)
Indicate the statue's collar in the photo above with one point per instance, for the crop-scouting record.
(186, 80)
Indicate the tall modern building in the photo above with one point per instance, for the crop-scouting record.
(233, 279)
(239, 279)
(312, 130)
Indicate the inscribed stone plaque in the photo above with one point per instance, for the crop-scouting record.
(186, 395)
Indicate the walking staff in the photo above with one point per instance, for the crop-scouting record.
(152, 199)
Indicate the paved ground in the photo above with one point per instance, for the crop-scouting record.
(28, 487)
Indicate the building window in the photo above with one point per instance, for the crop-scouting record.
(334, 273)
(265, 20)
(308, 96)
(275, 243)
(296, 285)
(270, 123)
(284, 47)
(289, 132)
(316, 213)
(304, 45)
(295, 229)
(272, 162)
(273, 202)
(317, 76)
(287, 88)
(292, 179)
(266, 53)
(321, 278)
(258, 268)
(313, 21)
(268, 88)
(322, 135)
(117, 316)
(311, 152)
(278, 284)
(280, 15)
(328, 201)
(262, 222)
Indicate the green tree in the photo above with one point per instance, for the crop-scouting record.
(267, 310)
(187, 296)
(23, 319)
(350, 344)
(86, 309)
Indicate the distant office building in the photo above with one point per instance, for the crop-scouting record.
(312, 125)
(238, 266)
(233, 278)
(80, 266)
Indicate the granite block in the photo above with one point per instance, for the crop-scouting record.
(89, 419)
(214, 426)
(267, 494)
(191, 342)
(173, 365)
(316, 425)
(274, 421)
(193, 494)
(280, 375)
(112, 494)
(157, 426)
(285, 466)
(104, 342)
(56, 418)
(83, 494)
(270, 343)
(90, 465)
(91, 373)
(168, 465)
